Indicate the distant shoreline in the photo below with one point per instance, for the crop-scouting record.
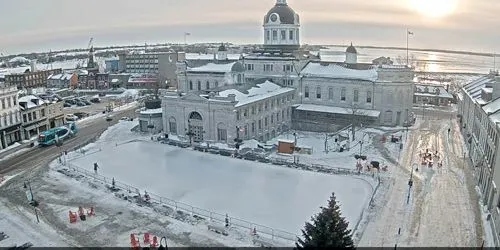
(460, 52)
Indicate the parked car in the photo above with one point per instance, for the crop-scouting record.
(70, 118)
(80, 104)
(86, 102)
(67, 105)
(71, 102)
(95, 100)
(81, 115)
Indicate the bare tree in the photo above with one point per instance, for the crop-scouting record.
(412, 60)
(355, 113)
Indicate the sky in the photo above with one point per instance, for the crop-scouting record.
(42, 25)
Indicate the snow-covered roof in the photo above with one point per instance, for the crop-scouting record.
(260, 92)
(152, 111)
(214, 67)
(337, 110)
(195, 56)
(29, 101)
(314, 69)
(63, 76)
(492, 106)
(495, 117)
(435, 91)
(18, 59)
(474, 87)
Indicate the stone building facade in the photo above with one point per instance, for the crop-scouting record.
(251, 112)
(10, 116)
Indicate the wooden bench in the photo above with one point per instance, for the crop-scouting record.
(263, 242)
(218, 229)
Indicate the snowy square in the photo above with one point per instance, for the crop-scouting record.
(264, 194)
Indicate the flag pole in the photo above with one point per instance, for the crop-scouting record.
(407, 49)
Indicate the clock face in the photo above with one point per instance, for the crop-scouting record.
(274, 17)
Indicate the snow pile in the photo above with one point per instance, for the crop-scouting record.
(14, 145)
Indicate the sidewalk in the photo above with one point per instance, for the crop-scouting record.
(17, 148)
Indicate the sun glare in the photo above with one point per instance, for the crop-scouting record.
(434, 8)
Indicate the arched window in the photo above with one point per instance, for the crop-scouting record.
(195, 116)
(199, 85)
(190, 85)
(306, 92)
(216, 84)
(239, 78)
(207, 85)
(172, 125)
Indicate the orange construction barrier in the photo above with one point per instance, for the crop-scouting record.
(134, 243)
(72, 217)
(155, 241)
(147, 240)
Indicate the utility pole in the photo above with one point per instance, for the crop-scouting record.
(410, 184)
(31, 199)
(326, 143)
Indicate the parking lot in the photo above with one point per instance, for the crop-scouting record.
(91, 109)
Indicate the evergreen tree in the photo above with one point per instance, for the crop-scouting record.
(327, 229)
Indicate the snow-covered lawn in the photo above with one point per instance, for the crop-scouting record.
(21, 227)
(277, 197)
(332, 157)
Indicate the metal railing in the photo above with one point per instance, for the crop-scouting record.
(212, 216)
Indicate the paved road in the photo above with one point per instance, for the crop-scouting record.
(40, 156)
(443, 208)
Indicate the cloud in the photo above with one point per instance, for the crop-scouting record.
(25, 22)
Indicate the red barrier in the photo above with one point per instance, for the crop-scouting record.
(91, 212)
(147, 240)
(155, 241)
(72, 217)
(134, 243)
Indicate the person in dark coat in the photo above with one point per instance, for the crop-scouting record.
(96, 167)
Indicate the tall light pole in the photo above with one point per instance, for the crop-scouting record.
(31, 199)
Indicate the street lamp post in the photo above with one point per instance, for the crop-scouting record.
(237, 139)
(31, 199)
(410, 184)
(190, 133)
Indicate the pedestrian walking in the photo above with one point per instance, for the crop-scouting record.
(449, 129)
(95, 167)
